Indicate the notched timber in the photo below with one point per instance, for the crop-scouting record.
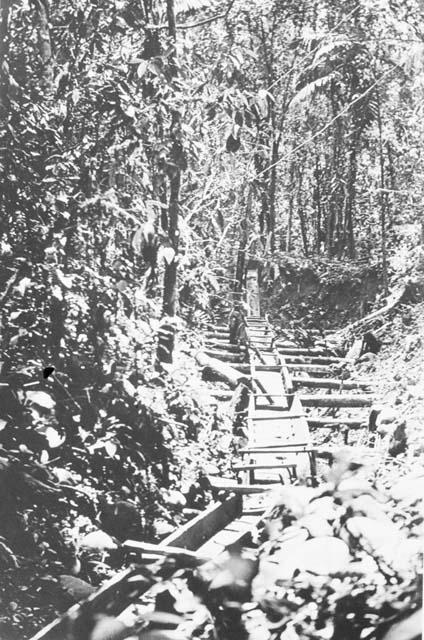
(216, 370)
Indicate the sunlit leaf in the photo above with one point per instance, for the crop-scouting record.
(98, 540)
(409, 628)
(41, 398)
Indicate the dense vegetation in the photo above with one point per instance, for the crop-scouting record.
(148, 149)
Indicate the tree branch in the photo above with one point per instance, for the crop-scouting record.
(193, 25)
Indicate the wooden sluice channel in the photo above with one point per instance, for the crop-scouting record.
(279, 449)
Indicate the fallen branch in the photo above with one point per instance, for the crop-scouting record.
(392, 301)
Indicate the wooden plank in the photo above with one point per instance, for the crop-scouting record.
(195, 532)
(326, 383)
(295, 351)
(223, 484)
(281, 449)
(287, 445)
(163, 550)
(116, 594)
(253, 467)
(334, 423)
(229, 537)
(285, 416)
(336, 400)
(112, 598)
(272, 407)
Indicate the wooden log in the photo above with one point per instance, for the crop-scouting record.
(226, 356)
(225, 346)
(313, 368)
(326, 383)
(336, 400)
(214, 369)
(263, 467)
(392, 301)
(335, 423)
(231, 486)
(192, 558)
(219, 335)
(216, 517)
(242, 368)
(315, 360)
(295, 351)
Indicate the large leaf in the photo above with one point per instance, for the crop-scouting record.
(409, 489)
(98, 540)
(41, 398)
(407, 629)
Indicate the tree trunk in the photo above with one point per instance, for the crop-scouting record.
(44, 46)
(4, 51)
(272, 193)
(244, 237)
(170, 287)
(290, 217)
(383, 201)
(302, 217)
(317, 204)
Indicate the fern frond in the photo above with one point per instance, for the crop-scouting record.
(181, 6)
(328, 50)
(310, 90)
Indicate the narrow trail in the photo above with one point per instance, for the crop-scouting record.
(283, 409)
